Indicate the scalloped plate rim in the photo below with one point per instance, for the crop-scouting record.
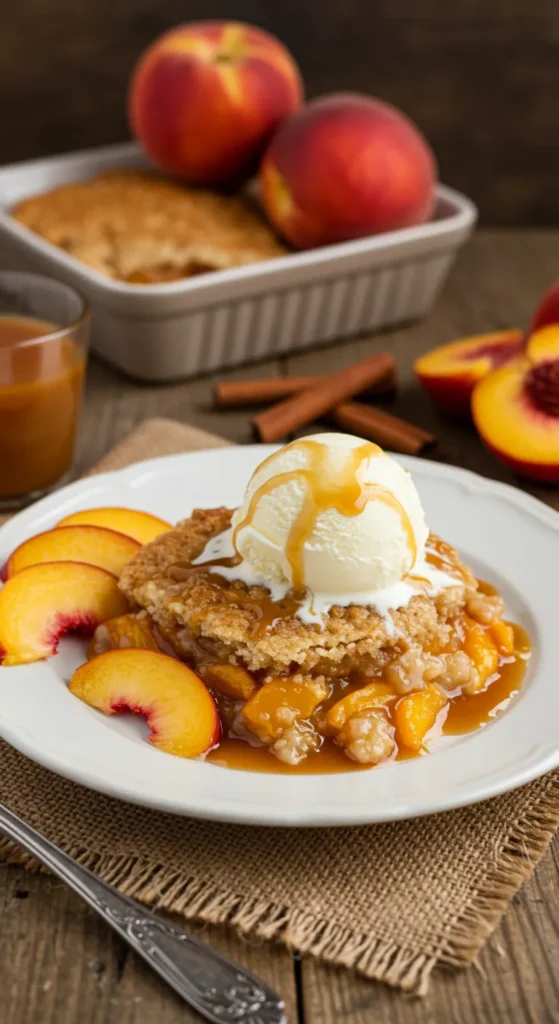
(272, 799)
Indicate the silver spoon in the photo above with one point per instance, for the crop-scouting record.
(219, 989)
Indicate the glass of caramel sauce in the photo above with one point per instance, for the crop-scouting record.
(44, 332)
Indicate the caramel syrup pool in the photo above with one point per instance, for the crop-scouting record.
(461, 715)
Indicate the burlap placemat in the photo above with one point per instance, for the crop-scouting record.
(390, 900)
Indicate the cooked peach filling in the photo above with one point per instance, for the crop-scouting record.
(473, 665)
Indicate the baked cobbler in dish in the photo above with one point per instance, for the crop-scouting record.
(137, 227)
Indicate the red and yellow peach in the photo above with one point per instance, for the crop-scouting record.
(516, 408)
(416, 715)
(206, 97)
(346, 166)
(449, 373)
(548, 309)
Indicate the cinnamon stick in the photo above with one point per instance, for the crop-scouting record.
(282, 419)
(231, 394)
(382, 428)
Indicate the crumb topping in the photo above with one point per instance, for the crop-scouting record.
(354, 638)
(138, 227)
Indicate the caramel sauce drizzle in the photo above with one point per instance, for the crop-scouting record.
(421, 581)
(266, 611)
(348, 494)
(463, 714)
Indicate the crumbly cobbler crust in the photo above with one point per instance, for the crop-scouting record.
(352, 639)
(140, 228)
(353, 682)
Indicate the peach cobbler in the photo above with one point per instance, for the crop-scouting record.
(137, 227)
(304, 664)
(318, 627)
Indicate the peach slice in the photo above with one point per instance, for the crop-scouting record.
(277, 704)
(231, 680)
(416, 715)
(179, 710)
(480, 647)
(206, 97)
(374, 695)
(41, 603)
(502, 635)
(449, 373)
(516, 409)
(141, 526)
(543, 345)
(132, 630)
(92, 544)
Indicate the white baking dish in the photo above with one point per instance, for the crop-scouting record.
(182, 328)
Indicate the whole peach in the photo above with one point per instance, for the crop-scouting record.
(206, 97)
(345, 166)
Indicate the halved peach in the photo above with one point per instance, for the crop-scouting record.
(449, 373)
(516, 409)
(135, 629)
(141, 526)
(41, 603)
(548, 309)
(180, 712)
(543, 345)
(92, 544)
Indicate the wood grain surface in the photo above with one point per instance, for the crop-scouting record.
(480, 77)
(60, 965)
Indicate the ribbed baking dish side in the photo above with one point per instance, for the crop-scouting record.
(205, 323)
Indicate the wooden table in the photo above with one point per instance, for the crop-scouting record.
(61, 965)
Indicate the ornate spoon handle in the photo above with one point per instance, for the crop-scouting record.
(219, 989)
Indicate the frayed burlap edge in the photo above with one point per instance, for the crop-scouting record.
(160, 888)
(516, 855)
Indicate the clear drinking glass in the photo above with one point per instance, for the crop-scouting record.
(44, 333)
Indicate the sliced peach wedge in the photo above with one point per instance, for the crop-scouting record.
(449, 373)
(416, 715)
(180, 712)
(278, 703)
(373, 695)
(516, 409)
(131, 630)
(92, 544)
(141, 526)
(231, 680)
(41, 603)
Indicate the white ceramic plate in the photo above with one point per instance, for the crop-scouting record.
(509, 539)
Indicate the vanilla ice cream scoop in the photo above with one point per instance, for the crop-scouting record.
(333, 514)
